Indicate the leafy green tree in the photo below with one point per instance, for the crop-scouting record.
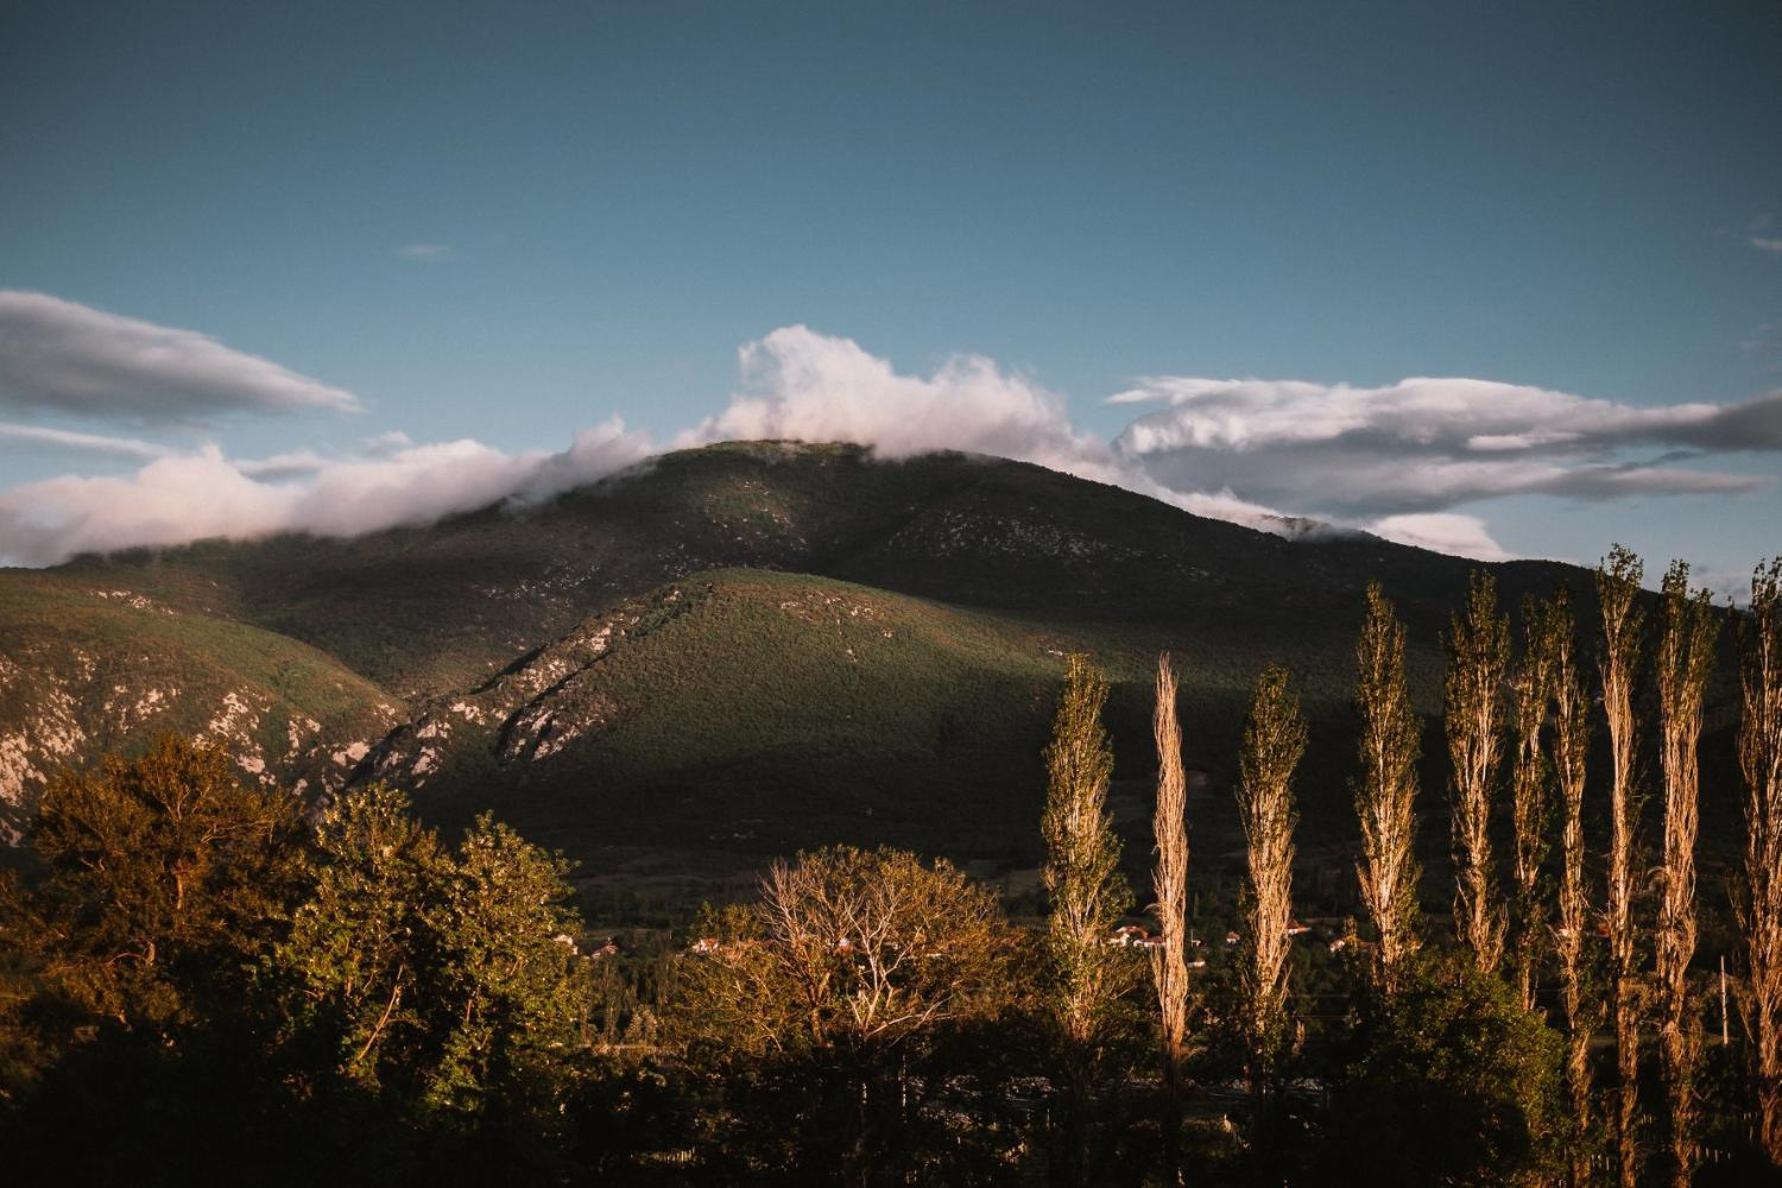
(191, 992)
(354, 954)
(447, 978)
(135, 1037)
(163, 877)
(500, 995)
(434, 996)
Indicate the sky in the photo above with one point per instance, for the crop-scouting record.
(1503, 279)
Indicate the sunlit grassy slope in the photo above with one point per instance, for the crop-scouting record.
(87, 668)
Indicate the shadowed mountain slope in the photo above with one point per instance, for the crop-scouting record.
(745, 647)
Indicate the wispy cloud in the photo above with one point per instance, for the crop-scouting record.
(427, 253)
(1426, 446)
(1765, 244)
(1766, 339)
(62, 357)
(39, 438)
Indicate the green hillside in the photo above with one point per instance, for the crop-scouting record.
(86, 669)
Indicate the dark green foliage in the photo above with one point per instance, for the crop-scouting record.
(163, 878)
(1463, 1080)
(364, 1004)
(501, 984)
(353, 957)
(193, 984)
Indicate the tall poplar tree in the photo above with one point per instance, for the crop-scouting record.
(1274, 741)
(1571, 747)
(1685, 661)
(1760, 898)
(1088, 897)
(1386, 792)
(1169, 962)
(1478, 655)
(1617, 588)
(1531, 689)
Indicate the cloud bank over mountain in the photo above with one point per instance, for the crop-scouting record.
(1399, 460)
(802, 385)
(192, 496)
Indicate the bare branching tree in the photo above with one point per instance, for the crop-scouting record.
(1531, 689)
(1274, 741)
(1571, 747)
(1760, 899)
(1685, 661)
(875, 946)
(1618, 586)
(850, 960)
(1386, 792)
(1169, 962)
(1478, 655)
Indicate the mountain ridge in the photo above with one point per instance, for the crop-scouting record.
(681, 563)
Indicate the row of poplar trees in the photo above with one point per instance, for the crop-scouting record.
(1519, 725)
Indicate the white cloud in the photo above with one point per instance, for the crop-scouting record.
(426, 253)
(593, 453)
(1456, 535)
(67, 358)
(41, 437)
(1765, 244)
(805, 386)
(802, 385)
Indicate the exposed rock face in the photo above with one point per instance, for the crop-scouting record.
(85, 671)
(528, 712)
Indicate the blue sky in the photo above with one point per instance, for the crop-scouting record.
(507, 222)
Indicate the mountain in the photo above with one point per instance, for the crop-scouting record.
(728, 652)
